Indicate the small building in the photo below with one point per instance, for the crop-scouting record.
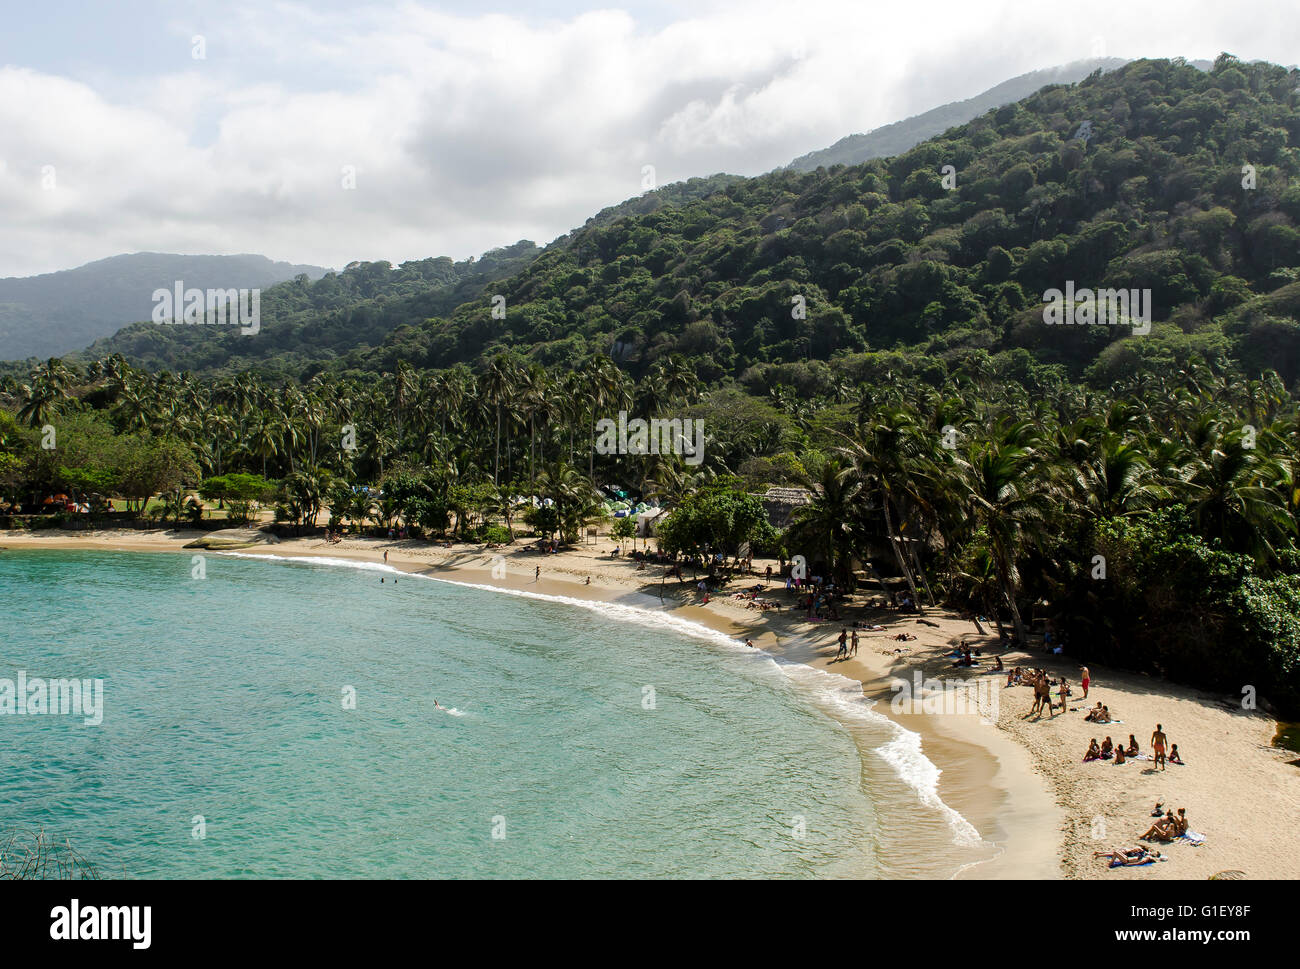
(780, 504)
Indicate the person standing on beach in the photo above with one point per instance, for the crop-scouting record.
(385, 556)
(1158, 742)
(854, 648)
(537, 573)
(1087, 677)
(844, 649)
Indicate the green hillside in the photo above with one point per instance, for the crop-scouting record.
(896, 138)
(57, 313)
(307, 324)
(885, 257)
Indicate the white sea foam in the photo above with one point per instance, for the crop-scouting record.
(903, 752)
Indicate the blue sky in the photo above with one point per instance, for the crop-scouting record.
(329, 131)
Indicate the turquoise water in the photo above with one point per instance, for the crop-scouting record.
(224, 698)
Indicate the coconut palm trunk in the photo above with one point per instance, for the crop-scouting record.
(894, 542)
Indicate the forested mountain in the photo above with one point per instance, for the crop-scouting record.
(310, 324)
(1129, 178)
(336, 320)
(896, 138)
(1132, 178)
(57, 313)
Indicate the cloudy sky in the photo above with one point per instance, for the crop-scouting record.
(228, 127)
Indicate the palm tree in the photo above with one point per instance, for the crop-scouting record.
(827, 522)
(497, 388)
(888, 461)
(1006, 496)
(606, 390)
(264, 438)
(1233, 498)
(45, 394)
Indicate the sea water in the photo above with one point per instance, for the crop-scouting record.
(268, 718)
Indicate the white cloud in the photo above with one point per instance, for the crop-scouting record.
(468, 131)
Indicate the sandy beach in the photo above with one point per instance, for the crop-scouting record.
(1019, 779)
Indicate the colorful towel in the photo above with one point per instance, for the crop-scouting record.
(1116, 863)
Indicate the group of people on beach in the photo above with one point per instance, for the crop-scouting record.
(753, 600)
(1042, 682)
(1107, 750)
(1167, 828)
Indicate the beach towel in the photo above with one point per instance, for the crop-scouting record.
(1116, 863)
(1192, 837)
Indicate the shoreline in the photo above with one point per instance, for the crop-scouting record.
(1019, 784)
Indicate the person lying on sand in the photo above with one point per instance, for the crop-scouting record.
(1094, 752)
(1130, 856)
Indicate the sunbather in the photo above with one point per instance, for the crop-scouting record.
(1166, 829)
(1129, 857)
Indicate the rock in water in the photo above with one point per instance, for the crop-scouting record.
(232, 538)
